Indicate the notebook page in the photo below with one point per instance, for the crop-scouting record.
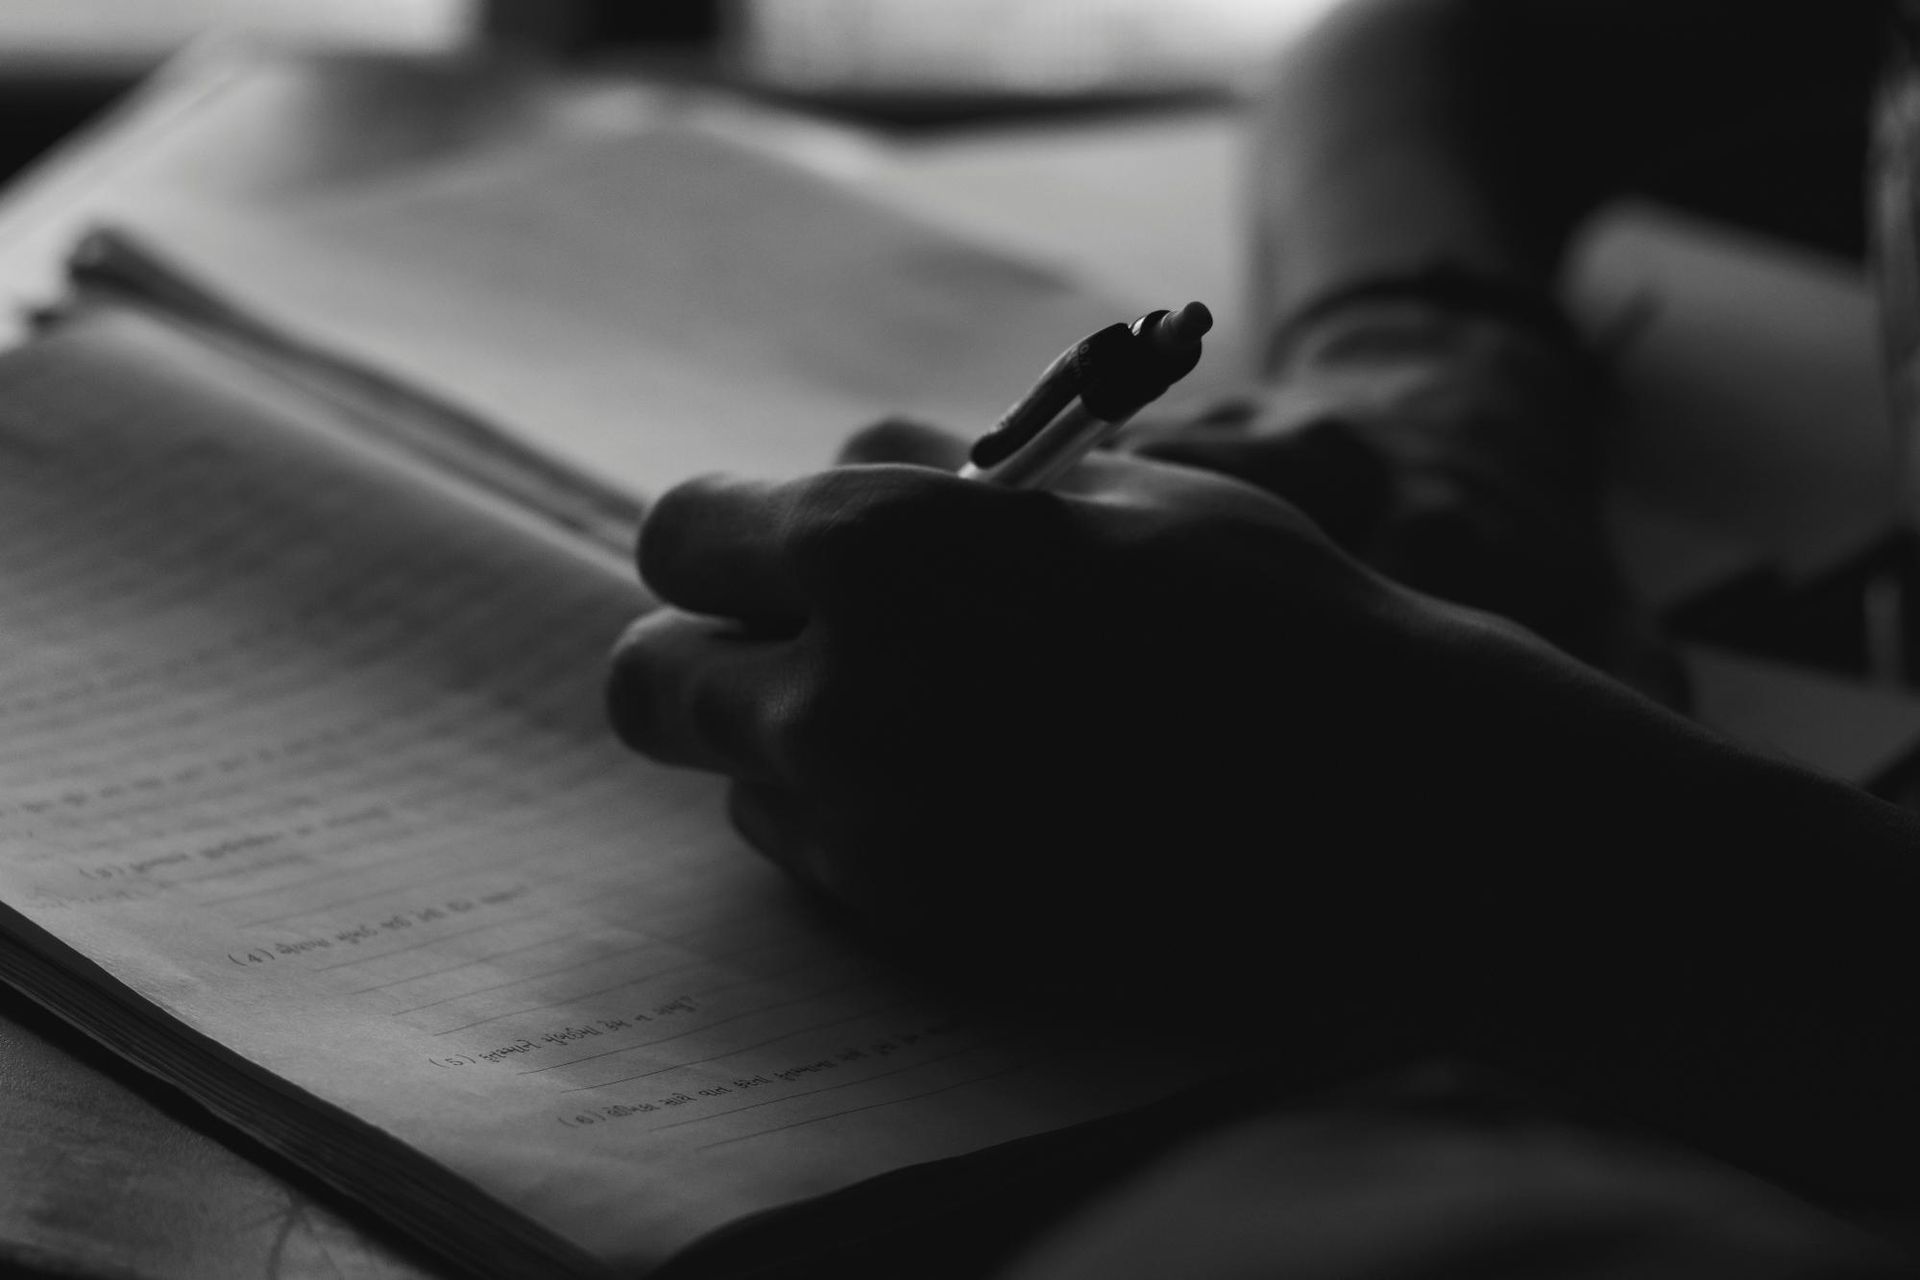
(311, 756)
(759, 310)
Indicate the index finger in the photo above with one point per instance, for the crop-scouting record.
(903, 440)
(716, 545)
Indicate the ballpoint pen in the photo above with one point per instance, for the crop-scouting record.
(1086, 395)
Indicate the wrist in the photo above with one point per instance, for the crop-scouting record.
(1457, 368)
(1423, 311)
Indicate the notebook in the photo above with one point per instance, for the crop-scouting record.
(309, 807)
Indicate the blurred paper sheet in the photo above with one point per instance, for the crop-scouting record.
(650, 307)
(1754, 386)
(1843, 727)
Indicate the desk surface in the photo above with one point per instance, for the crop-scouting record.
(103, 1172)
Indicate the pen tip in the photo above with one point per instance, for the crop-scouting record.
(1185, 327)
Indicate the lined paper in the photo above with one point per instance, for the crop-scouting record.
(307, 749)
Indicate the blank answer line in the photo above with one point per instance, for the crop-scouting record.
(871, 1106)
(577, 995)
(548, 941)
(535, 977)
(829, 1088)
(759, 980)
(369, 864)
(433, 852)
(435, 941)
(681, 1035)
(655, 976)
(694, 1062)
(589, 870)
(658, 974)
(405, 886)
(227, 872)
(263, 890)
(678, 1035)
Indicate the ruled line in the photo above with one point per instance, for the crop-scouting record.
(548, 941)
(694, 1062)
(436, 940)
(535, 977)
(448, 852)
(703, 994)
(830, 1088)
(578, 995)
(871, 1106)
(765, 1008)
(394, 855)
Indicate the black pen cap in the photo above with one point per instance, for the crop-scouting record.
(1163, 348)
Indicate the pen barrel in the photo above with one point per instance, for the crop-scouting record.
(1086, 395)
(1062, 381)
(1050, 454)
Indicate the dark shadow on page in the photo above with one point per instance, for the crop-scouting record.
(966, 1217)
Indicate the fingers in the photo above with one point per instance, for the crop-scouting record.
(865, 539)
(872, 557)
(718, 546)
(748, 568)
(899, 440)
(700, 693)
(745, 550)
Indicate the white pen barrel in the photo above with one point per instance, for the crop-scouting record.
(1050, 454)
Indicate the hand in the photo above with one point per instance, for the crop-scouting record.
(1450, 454)
(1149, 727)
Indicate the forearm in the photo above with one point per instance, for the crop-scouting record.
(1386, 143)
(1722, 944)
(1407, 225)
(1399, 133)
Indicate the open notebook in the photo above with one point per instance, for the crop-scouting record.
(307, 805)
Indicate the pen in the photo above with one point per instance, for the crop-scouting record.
(1086, 395)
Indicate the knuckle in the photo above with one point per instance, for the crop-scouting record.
(813, 723)
(851, 518)
(793, 722)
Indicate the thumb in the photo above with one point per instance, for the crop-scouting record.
(906, 441)
(1324, 467)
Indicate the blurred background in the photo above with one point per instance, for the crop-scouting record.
(900, 63)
